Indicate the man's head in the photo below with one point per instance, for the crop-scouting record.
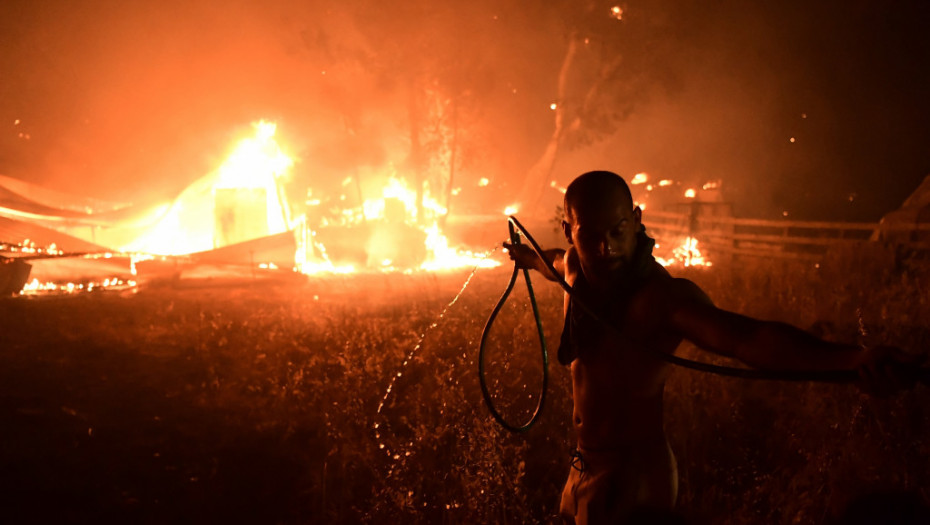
(601, 223)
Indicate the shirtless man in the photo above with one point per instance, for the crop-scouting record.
(623, 461)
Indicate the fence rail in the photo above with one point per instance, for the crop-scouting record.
(801, 240)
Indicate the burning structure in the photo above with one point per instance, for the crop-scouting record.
(238, 215)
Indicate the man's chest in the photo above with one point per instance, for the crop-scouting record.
(620, 330)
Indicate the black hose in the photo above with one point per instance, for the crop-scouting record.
(826, 376)
(515, 239)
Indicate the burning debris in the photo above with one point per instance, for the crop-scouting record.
(665, 195)
(685, 254)
(35, 287)
(240, 215)
(395, 231)
(55, 271)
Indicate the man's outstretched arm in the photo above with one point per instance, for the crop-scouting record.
(770, 345)
(525, 257)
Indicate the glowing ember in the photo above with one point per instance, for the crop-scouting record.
(639, 178)
(35, 287)
(483, 181)
(29, 247)
(616, 12)
(511, 210)
(690, 193)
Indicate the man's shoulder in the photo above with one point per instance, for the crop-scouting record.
(663, 298)
(663, 286)
(571, 258)
(572, 265)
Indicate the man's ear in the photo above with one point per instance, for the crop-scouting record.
(638, 215)
(567, 230)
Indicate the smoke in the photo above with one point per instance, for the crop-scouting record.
(811, 110)
(129, 101)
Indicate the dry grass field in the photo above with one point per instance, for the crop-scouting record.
(258, 402)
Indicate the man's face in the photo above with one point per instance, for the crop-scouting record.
(603, 233)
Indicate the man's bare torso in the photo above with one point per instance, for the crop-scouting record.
(617, 387)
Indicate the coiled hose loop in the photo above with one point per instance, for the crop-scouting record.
(514, 239)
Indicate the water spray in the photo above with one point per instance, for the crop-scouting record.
(413, 352)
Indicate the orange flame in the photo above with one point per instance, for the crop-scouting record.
(188, 224)
(686, 254)
(255, 170)
(398, 209)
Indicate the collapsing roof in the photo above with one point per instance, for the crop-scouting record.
(16, 231)
(82, 241)
(24, 196)
(71, 223)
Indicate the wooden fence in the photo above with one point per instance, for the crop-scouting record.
(724, 235)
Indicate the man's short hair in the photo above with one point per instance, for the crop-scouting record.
(593, 186)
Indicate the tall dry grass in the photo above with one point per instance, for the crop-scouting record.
(261, 402)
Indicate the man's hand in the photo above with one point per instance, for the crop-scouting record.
(522, 255)
(525, 258)
(886, 370)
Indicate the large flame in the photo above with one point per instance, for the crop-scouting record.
(243, 199)
(258, 163)
(256, 166)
